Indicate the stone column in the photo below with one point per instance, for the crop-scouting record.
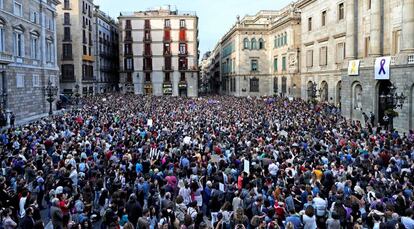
(407, 41)
(375, 38)
(350, 30)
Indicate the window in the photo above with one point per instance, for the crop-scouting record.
(369, 4)
(367, 42)
(261, 43)
(18, 10)
(309, 58)
(1, 4)
(167, 23)
(66, 34)
(67, 71)
(182, 77)
(85, 50)
(67, 52)
(128, 24)
(275, 85)
(167, 77)
(324, 18)
(396, 42)
(167, 49)
(275, 42)
(49, 51)
(254, 44)
(254, 85)
(147, 24)
(34, 16)
(284, 85)
(66, 19)
(182, 35)
(18, 43)
(147, 36)
(246, 43)
(341, 11)
(310, 24)
(19, 80)
(34, 47)
(275, 64)
(182, 23)
(323, 56)
(66, 4)
(284, 63)
(182, 63)
(167, 35)
(128, 49)
(1, 38)
(254, 64)
(340, 52)
(128, 64)
(285, 39)
(36, 80)
(183, 48)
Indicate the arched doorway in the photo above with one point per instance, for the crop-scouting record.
(338, 94)
(324, 91)
(383, 89)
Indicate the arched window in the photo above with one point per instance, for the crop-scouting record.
(254, 43)
(246, 43)
(261, 43)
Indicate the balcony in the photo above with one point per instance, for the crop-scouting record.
(167, 39)
(147, 40)
(147, 53)
(183, 54)
(88, 58)
(167, 69)
(147, 69)
(5, 58)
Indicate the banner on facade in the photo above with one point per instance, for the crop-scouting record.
(382, 68)
(353, 67)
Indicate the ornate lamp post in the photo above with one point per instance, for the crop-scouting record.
(50, 92)
(392, 101)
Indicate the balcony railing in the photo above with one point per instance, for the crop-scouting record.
(411, 59)
(168, 68)
(6, 58)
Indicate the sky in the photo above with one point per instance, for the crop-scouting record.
(216, 17)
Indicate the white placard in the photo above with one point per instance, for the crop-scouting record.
(187, 140)
(382, 68)
(246, 166)
(149, 122)
(199, 200)
(221, 187)
(353, 67)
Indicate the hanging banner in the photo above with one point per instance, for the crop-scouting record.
(382, 68)
(353, 67)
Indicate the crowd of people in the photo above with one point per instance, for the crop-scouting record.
(212, 162)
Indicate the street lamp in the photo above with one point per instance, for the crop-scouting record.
(392, 101)
(51, 91)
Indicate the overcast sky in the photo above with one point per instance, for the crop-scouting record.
(215, 16)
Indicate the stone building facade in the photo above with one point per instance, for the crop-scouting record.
(159, 52)
(76, 46)
(323, 34)
(106, 52)
(259, 55)
(377, 29)
(27, 55)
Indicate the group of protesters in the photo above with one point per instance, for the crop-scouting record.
(126, 161)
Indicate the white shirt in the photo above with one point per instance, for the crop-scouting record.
(22, 210)
(273, 169)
